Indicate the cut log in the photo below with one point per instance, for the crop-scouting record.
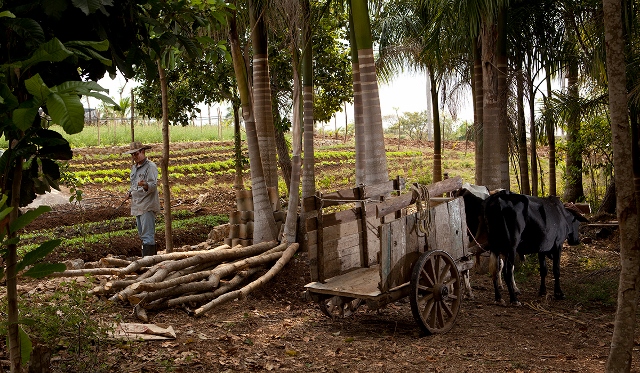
(242, 293)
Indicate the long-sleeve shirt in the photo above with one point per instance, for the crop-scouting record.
(144, 200)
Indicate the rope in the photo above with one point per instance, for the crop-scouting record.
(423, 215)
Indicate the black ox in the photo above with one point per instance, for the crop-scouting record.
(521, 224)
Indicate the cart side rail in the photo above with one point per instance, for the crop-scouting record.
(344, 240)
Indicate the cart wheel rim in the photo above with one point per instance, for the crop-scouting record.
(435, 292)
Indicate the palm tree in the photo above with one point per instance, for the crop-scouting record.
(264, 222)
(375, 159)
(262, 93)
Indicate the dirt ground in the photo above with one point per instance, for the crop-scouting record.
(277, 329)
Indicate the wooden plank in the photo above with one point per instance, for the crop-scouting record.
(342, 264)
(347, 245)
(335, 218)
(399, 250)
(336, 231)
(359, 283)
(437, 189)
(458, 240)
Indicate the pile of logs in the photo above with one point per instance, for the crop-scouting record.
(198, 274)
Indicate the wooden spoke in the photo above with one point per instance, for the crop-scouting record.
(435, 292)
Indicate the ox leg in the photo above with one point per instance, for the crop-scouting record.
(543, 274)
(467, 284)
(557, 292)
(513, 297)
(500, 282)
(494, 269)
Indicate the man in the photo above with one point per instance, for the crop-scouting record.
(145, 203)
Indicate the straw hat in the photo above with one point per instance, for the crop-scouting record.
(136, 146)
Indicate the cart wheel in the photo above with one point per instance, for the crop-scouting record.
(339, 307)
(435, 292)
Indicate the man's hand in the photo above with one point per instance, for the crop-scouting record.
(143, 184)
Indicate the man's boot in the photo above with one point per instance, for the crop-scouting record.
(149, 250)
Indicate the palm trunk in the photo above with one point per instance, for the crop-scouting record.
(264, 228)
(503, 90)
(627, 166)
(437, 134)
(478, 110)
(357, 107)
(376, 158)
(491, 136)
(164, 162)
(262, 95)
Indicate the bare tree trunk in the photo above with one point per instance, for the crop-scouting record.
(11, 275)
(551, 137)
(574, 190)
(532, 132)
(133, 137)
(238, 183)
(626, 162)
(164, 162)
(522, 133)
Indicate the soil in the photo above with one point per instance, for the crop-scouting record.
(276, 329)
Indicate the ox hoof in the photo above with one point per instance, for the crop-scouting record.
(559, 296)
(516, 304)
(501, 302)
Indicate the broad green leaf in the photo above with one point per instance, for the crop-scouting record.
(103, 98)
(7, 14)
(23, 117)
(25, 346)
(8, 98)
(67, 111)
(102, 45)
(36, 86)
(12, 241)
(32, 256)
(44, 269)
(4, 212)
(51, 51)
(81, 88)
(87, 6)
(26, 218)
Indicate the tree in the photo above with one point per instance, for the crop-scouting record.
(626, 158)
(174, 32)
(42, 71)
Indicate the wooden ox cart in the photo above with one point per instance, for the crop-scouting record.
(386, 246)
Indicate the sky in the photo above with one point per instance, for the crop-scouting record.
(406, 93)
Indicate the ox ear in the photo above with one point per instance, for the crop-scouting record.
(575, 211)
